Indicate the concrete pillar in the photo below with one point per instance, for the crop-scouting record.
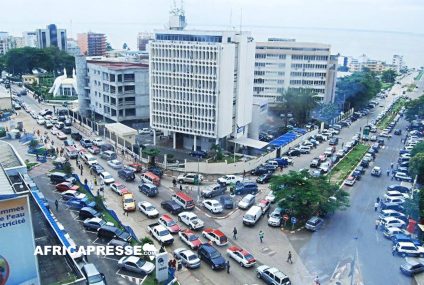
(217, 141)
(154, 137)
(194, 142)
(174, 140)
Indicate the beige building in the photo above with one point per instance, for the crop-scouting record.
(358, 64)
(92, 44)
(30, 79)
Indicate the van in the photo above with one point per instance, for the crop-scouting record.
(273, 163)
(244, 188)
(148, 189)
(89, 159)
(92, 275)
(126, 174)
(59, 177)
(108, 155)
(71, 152)
(184, 200)
(149, 177)
(252, 216)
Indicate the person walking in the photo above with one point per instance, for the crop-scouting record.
(377, 200)
(228, 266)
(388, 172)
(56, 203)
(235, 233)
(81, 167)
(391, 165)
(377, 224)
(316, 281)
(95, 181)
(85, 181)
(181, 187)
(174, 182)
(91, 171)
(376, 204)
(261, 236)
(289, 258)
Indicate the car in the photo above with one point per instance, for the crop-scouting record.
(241, 256)
(191, 220)
(400, 188)
(69, 142)
(213, 190)
(333, 141)
(98, 141)
(226, 201)
(119, 188)
(199, 154)
(275, 219)
(136, 167)
(264, 178)
(397, 132)
(260, 170)
(314, 224)
(373, 138)
(364, 163)
(392, 206)
(411, 267)
(376, 171)
(92, 275)
(93, 224)
(188, 258)
(65, 186)
(270, 196)
(136, 264)
(191, 178)
(401, 237)
(340, 153)
(78, 204)
(148, 209)
(68, 122)
(329, 151)
(293, 152)
(97, 168)
(67, 130)
(210, 255)
(325, 167)
(229, 179)
(172, 207)
(212, 205)
(86, 143)
(41, 121)
(272, 275)
(408, 249)
(243, 188)
(315, 163)
(246, 201)
(215, 236)
(72, 194)
(350, 181)
(395, 194)
(357, 174)
(48, 124)
(390, 222)
(304, 149)
(61, 136)
(169, 223)
(115, 164)
(264, 204)
(94, 149)
(76, 136)
(128, 202)
(190, 238)
(107, 178)
(156, 170)
(392, 213)
(401, 176)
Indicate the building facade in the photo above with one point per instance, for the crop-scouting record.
(7, 42)
(72, 47)
(64, 86)
(397, 63)
(363, 62)
(92, 44)
(115, 89)
(143, 40)
(200, 86)
(282, 64)
(30, 39)
(52, 37)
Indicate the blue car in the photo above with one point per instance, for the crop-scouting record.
(210, 255)
(199, 153)
(405, 238)
(77, 204)
(243, 188)
(86, 143)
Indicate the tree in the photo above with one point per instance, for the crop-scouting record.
(125, 46)
(389, 76)
(299, 102)
(33, 144)
(303, 195)
(108, 46)
(67, 168)
(416, 167)
(418, 148)
(152, 153)
(216, 152)
(415, 109)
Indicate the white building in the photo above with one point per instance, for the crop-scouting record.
(30, 39)
(282, 64)
(51, 36)
(201, 86)
(64, 86)
(5, 42)
(398, 63)
(113, 88)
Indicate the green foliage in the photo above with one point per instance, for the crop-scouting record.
(418, 148)
(152, 153)
(412, 206)
(415, 108)
(303, 195)
(67, 168)
(339, 173)
(23, 60)
(33, 144)
(388, 76)
(416, 167)
(216, 152)
(299, 102)
(108, 46)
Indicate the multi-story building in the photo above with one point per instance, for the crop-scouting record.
(51, 37)
(363, 62)
(282, 64)
(143, 40)
(116, 89)
(5, 42)
(397, 62)
(30, 39)
(200, 86)
(92, 44)
(72, 47)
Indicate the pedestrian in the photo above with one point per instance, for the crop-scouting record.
(388, 172)
(56, 203)
(393, 176)
(377, 224)
(394, 250)
(95, 181)
(261, 236)
(81, 169)
(391, 165)
(181, 187)
(91, 171)
(375, 206)
(316, 281)
(228, 266)
(77, 162)
(244, 174)
(85, 181)
(378, 199)
(289, 258)
(235, 233)
(174, 182)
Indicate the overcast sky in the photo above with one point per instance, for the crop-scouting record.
(121, 20)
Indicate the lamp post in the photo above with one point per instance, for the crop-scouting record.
(198, 180)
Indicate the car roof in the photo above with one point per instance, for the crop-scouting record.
(215, 231)
(133, 259)
(166, 217)
(406, 243)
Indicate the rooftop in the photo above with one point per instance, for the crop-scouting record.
(8, 157)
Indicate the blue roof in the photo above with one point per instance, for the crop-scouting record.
(284, 139)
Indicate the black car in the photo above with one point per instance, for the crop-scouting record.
(226, 201)
(210, 255)
(333, 141)
(259, 171)
(172, 207)
(410, 268)
(156, 170)
(199, 154)
(111, 232)
(402, 189)
(93, 224)
(387, 206)
(68, 122)
(360, 169)
(61, 118)
(88, 213)
(67, 130)
(76, 136)
(293, 152)
(398, 132)
(126, 174)
(264, 178)
(365, 163)
(315, 163)
(97, 168)
(357, 174)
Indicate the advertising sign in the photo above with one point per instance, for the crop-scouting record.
(162, 266)
(18, 264)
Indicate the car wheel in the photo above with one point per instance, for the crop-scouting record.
(213, 267)
(241, 264)
(181, 181)
(258, 275)
(403, 254)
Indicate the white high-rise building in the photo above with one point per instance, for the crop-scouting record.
(397, 62)
(30, 39)
(283, 64)
(201, 86)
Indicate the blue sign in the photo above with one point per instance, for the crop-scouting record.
(293, 220)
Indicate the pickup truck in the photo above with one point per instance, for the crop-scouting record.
(229, 179)
(160, 233)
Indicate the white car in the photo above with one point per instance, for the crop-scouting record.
(106, 177)
(395, 194)
(148, 209)
(213, 205)
(328, 151)
(270, 196)
(61, 136)
(190, 178)
(392, 222)
(136, 264)
(71, 194)
(98, 141)
(188, 258)
(408, 249)
(191, 220)
(54, 131)
(41, 121)
(115, 164)
(241, 256)
(229, 179)
(401, 176)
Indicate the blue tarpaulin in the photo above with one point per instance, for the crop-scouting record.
(284, 139)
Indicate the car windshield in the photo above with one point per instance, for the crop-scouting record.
(215, 254)
(192, 257)
(129, 200)
(164, 233)
(150, 208)
(193, 237)
(91, 159)
(170, 223)
(120, 187)
(94, 279)
(140, 262)
(249, 256)
(108, 176)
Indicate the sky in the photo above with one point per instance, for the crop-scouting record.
(121, 20)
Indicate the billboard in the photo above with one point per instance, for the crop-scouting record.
(18, 264)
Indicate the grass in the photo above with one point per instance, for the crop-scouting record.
(386, 85)
(388, 118)
(228, 158)
(419, 75)
(339, 173)
(411, 87)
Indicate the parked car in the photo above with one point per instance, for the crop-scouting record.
(247, 201)
(408, 249)
(191, 220)
(136, 264)
(350, 181)
(199, 153)
(190, 238)
(229, 179)
(411, 267)
(264, 178)
(93, 224)
(85, 213)
(241, 256)
(106, 177)
(188, 258)
(147, 209)
(271, 275)
(72, 194)
(172, 207)
(215, 236)
(192, 178)
(213, 205)
(119, 188)
(259, 171)
(169, 223)
(226, 201)
(246, 187)
(115, 164)
(211, 256)
(65, 186)
(97, 168)
(213, 191)
(314, 224)
(85, 143)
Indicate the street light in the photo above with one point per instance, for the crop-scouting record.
(198, 180)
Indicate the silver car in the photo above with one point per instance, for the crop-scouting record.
(136, 264)
(188, 258)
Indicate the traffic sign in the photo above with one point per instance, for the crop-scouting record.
(285, 217)
(293, 220)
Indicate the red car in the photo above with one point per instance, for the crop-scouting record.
(190, 238)
(241, 256)
(119, 188)
(169, 223)
(215, 236)
(65, 186)
(137, 167)
(94, 149)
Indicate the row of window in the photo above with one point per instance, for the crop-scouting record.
(292, 48)
(270, 56)
(183, 110)
(269, 73)
(126, 77)
(185, 53)
(176, 124)
(308, 74)
(310, 57)
(270, 64)
(183, 82)
(197, 69)
(308, 66)
(307, 82)
(196, 98)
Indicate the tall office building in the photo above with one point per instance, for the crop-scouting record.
(142, 40)
(30, 39)
(397, 62)
(7, 42)
(201, 86)
(51, 37)
(92, 44)
(282, 64)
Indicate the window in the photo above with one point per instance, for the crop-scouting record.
(130, 112)
(129, 89)
(119, 77)
(112, 77)
(129, 77)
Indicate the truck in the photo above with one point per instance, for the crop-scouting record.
(229, 179)
(160, 233)
(366, 133)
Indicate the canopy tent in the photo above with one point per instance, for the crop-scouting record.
(284, 139)
(250, 143)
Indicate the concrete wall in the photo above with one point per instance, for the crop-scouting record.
(239, 167)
